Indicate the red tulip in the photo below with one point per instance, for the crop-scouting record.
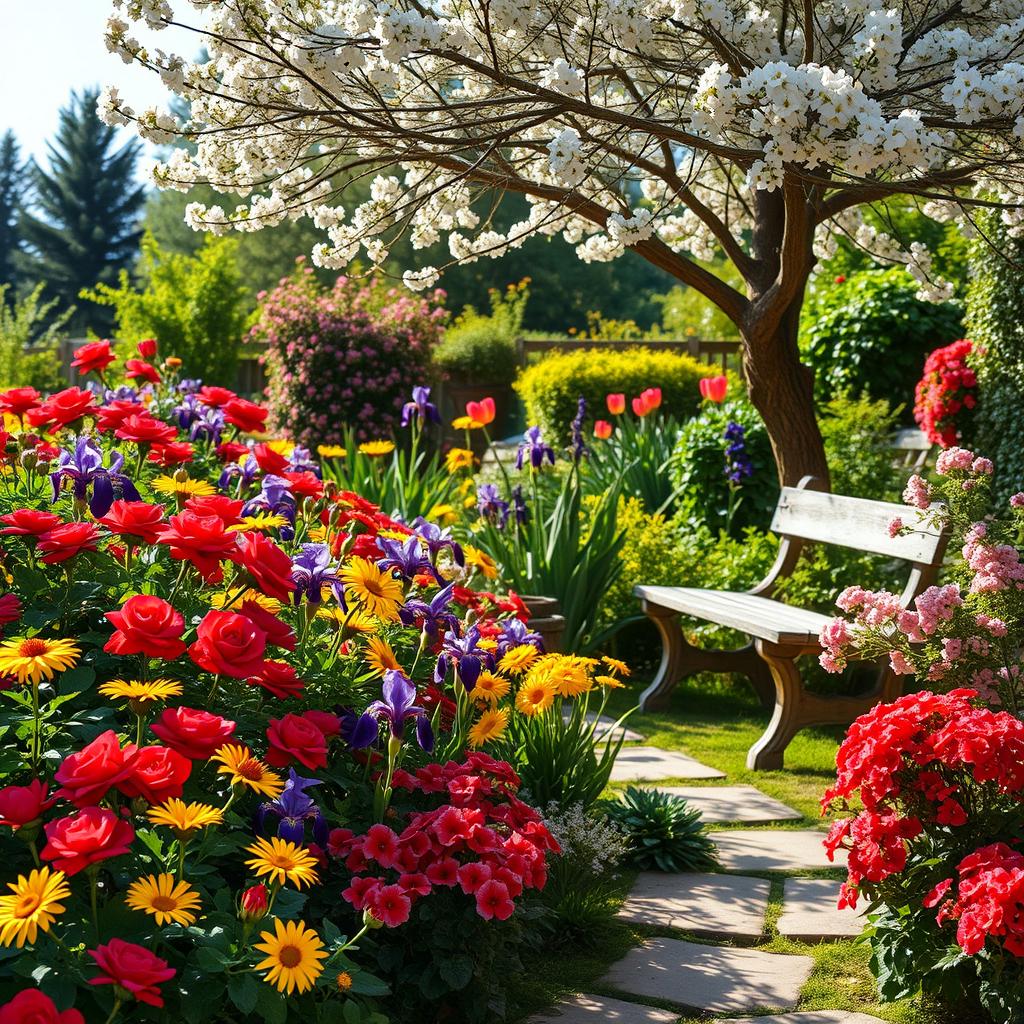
(481, 412)
(616, 404)
(713, 389)
(602, 429)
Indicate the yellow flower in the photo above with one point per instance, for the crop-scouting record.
(375, 448)
(331, 451)
(32, 658)
(221, 598)
(518, 659)
(354, 620)
(619, 667)
(378, 592)
(610, 682)
(459, 458)
(259, 521)
(443, 514)
(491, 725)
(567, 674)
(33, 906)
(490, 687)
(535, 696)
(184, 488)
(379, 655)
(293, 956)
(343, 981)
(243, 769)
(184, 818)
(169, 901)
(467, 423)
(282, 861)
(480, 560)
(141, 691)
(282, 446)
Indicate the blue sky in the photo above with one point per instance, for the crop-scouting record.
(48, 48)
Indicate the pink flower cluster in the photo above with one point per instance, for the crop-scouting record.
(995, 566)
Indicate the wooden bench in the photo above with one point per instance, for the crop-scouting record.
(780, 633)
(911, 450)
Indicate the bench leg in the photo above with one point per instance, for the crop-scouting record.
(768, 752)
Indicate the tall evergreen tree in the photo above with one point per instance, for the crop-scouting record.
(13, 182)
(84, 226)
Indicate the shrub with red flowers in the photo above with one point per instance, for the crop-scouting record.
(345, 356)
(946, 394)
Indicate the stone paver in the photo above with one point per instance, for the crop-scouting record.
(809, 911)
(604, 727)
(718, 979)
(597, 1009)
(649, 764)
(810, 1017)
(720, 804)
(778, 850)
(712, 906)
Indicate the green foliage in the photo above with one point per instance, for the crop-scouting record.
(88, 204)
(24, 324)
(870, 333)
(194, 305)
(664, 832)
(858, 444)
(698, 470)
(481, 348)
(995, 323)
(13, 185)
(552, 387)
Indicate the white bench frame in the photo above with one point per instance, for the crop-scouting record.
(780, 633)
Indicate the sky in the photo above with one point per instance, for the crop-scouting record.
(48, 48)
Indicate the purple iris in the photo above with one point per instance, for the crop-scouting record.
(84, 467)
(311, 569)
(534, 449)
(490, 505)
(434, 616)
(246, 473)
(737, 462)
(421, 408)
(187, 411)
(301, 461)
(275, 497)
(514, 633)
(406, 557)
(208, 425)
(188, 385)
(519, 507)
(291, 810)
(437, 539)
(577, 446)
(122, 393)
(395, 707)
(469, 659)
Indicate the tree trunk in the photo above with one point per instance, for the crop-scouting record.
(782, 390)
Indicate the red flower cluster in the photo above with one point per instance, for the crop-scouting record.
(946, 389)
(483, 840)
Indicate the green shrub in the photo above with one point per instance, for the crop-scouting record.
(870, 333)
(194, 306)
(551, 387)
(858, 444)
(23, 324)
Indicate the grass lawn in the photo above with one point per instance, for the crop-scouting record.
(716, 722)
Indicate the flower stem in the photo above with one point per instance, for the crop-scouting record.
(114, 1011)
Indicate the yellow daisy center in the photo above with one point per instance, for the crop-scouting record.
(290, 956)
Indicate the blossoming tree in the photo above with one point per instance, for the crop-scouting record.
(675, 128)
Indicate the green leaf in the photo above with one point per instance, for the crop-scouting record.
(457, 971)
(244, 992)
(210, 960)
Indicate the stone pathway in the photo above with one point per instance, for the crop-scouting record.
(721, 978)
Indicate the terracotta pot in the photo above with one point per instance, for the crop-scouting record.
(544, 619)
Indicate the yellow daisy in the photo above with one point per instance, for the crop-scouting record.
(32, 658)
(238, 763)
(459, 458)
(490, 687)
(33, 906)
(331, 451)
(282, 861)
(443, 514)
(169, 901)
(491, 725)
(259, 521)
(221, 598)
(377, 448)
(568, 675)
(535, 697)
(466, 423)
(480, 560)
(379, 655)
(610, 682)
(294, 955)
(354, 620)
(618, 667)
(185, 818)
(141, 691)
(378, 592)
(183, 488)
(518, 659)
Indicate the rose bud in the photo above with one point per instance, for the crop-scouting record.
(254, 903)
(147, 348)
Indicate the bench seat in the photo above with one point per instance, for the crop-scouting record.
(759, 617)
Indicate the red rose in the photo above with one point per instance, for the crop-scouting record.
(86, 776)
(278, 632)
(132, 968)
(219, 505)
(113, 414)
(66, 406)
(248, 416)
(231, 451)
(267, 564)
(66, 541)
(193, 733)
(134, 519)
(201, 540)
(229, 644)
(148, 625)
(279, 679)
(96, 355)
(10, 609)
(329, 724)
(21, 805)
(268, 460)
(18, 401)
(139, 369)
(29, 522)
(158, 774)
(91, 835)
(173, 453)
(305, 484)
(30, 1006)
(147, 348)
(295, 738)
(145, 429)
(210, 394)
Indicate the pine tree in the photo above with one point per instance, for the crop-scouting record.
(84, 226)
(13, 181)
